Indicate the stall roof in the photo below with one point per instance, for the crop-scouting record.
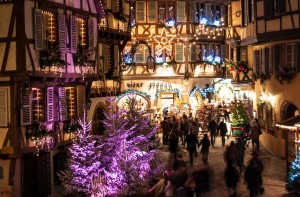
(291, 123)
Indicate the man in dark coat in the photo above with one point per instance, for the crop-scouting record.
(191, 141)
(222, 129)
(212, 128)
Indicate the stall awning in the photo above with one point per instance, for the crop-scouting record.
(291, 123)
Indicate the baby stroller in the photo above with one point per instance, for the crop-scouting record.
(245, 138)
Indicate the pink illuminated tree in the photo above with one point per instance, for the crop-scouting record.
(128, 150)
(83, 163)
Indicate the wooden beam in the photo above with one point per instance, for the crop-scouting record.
(9, 36)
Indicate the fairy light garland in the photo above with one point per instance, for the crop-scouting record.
(128, 91)
(82, 31)
(50, 25)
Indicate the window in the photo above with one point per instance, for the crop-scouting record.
(45, 28)
(78, 32)
(141, 54)
(274, 8)
(179, 52)
(71, 102)
(291, 57)
(37, 104)
(33, 106)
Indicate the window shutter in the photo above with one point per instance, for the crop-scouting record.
(281, 7)
(62, 33)
(266, 58)
(263, 65)
(105, 53)
(140, 11)
(116, 56)
(277, 59)
(3, 107)
(193, 53)
(271, 60)
(91, 33)
(193, 9)
(283, 57)
(268, 4)
(26, 108)
(223, 52)
(50, 97)
(38, 19)
(298, 57)
(181, 11)
(62, 103)
(179, 53)
(73, 34)
(208, 12)
(80, 101)
(152, 12)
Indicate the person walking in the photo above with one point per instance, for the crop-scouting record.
(241, 147)
(173, 143)
(254, 134)
(232, 177)
(231, 154)
(205, 148)
(222, 129)
(253, 176)
(212, 128)
(165, 126)
(186, 126)
(191, 141)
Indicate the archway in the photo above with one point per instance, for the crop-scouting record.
(142, 100)
(288, 110)
(98, 127)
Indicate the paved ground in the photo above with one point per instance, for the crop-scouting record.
(274, 174)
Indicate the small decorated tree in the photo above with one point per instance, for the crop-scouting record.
(83, 163)
(239, 115)
(293, 179)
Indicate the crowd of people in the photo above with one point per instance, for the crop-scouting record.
(183, 132)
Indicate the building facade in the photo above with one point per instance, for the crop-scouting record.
(50, 54)
(268, 37)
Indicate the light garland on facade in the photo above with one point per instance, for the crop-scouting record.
(50, 26)
(164, 40)
(82, 31)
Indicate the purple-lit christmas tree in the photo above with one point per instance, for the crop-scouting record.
(127, 152)
(83, 165)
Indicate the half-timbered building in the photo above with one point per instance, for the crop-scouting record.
(51, 51)
(267, 35)
(177, 49)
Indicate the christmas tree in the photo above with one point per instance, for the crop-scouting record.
(239, 115)
(126, 151)
(83, 163)
(293, 179)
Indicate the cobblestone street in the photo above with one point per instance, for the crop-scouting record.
(274, 173)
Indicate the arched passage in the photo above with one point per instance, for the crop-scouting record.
(288, 110)
(98, 117)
